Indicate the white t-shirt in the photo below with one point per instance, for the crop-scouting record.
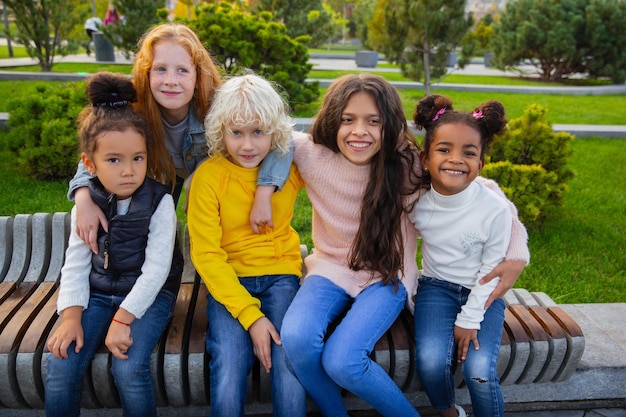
(93, 23)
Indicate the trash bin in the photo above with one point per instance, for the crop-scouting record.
(451, 59)
(367, 59)
(103, 47)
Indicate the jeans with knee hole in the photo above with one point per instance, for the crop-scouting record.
(133, 380)
(436, 306)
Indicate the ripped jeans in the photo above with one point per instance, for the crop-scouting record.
(436, 306)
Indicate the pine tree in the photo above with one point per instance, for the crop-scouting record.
(419, 35)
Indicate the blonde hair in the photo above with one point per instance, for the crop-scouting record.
(208, 78)
(243, 100)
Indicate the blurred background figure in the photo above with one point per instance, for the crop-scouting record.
(91, 25)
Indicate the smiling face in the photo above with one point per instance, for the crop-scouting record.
(246, 145)
(172, 80)
(359, 135)
(119, 161)
(454, 159)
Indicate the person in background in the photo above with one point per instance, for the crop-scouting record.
(124, 294)
(251, 277)
(175, 79)
(91, 25)
(111, 17)
(465, 224)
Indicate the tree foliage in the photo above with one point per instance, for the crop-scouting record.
(419, 35)
(293, 13)
(239, 41)
(43, 27)
(325, 26)
(563, 37)
(605, 23)
(362, 14)
(137, 17)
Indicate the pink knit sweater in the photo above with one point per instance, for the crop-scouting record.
(335, 187)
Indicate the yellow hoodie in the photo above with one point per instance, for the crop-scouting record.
(223, 245)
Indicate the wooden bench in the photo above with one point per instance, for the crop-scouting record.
(540, 342)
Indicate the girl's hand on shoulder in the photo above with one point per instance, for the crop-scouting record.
(118, 340)
(88, 218)
(463, 337)
(262, 332)
(70, 330)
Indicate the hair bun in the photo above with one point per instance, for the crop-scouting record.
(107, 89)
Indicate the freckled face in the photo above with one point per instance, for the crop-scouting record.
(454, 159)
(119, 162)
(172, 80)
(360, 131)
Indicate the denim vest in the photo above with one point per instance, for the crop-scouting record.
(195, 148)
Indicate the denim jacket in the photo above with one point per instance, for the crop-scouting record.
(274, 170)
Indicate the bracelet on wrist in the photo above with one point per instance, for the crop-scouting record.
(121, 322)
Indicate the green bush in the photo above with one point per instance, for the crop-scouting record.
(43, 132)
(530, 187)
(240, 41)
(529, 161)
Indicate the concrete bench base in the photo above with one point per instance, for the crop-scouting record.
(543, 344)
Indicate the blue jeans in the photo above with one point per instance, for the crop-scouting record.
(343, 359)
(436, 306)
(232, 355)
(64, 379)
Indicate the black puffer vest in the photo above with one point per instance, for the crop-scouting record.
(122, 251)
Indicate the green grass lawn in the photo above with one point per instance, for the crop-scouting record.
(577, 254)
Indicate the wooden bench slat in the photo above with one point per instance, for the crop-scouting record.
(539, 347)
(30, 350)
(41, 247)
(20, 255)
(175, 358)
(6, 244)
(575, 343)
(10, 337)
(197, 366)
(22, 248)
(60, 234)
(556, 340)
(520, 348)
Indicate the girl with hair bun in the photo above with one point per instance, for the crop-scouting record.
(466, 230)
(124, 293)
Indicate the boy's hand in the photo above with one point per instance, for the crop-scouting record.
(261, 213)
(70, 330)
(463, 337)
(262, 332)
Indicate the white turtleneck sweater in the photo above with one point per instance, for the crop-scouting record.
(464, 236)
